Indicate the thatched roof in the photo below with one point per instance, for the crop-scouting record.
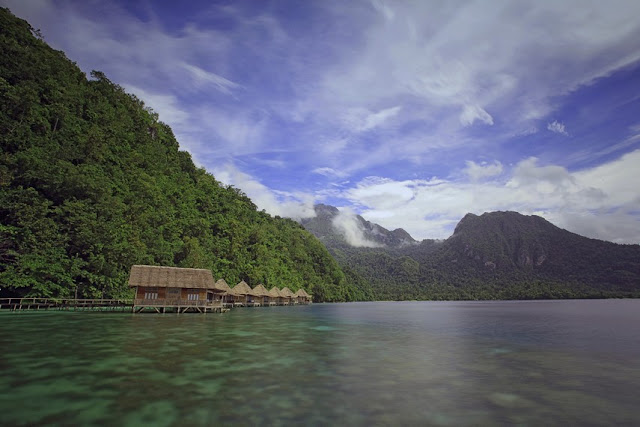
(170, 277)
(260, 291)
(304, 293)
(221, 285)
(301, 293)
(286, 292)
(243, 289)
(275, 292)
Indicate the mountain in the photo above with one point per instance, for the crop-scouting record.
(91, 182)
(328, 226)
(502, 255)
(511, 242)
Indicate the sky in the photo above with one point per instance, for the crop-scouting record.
(409, 113)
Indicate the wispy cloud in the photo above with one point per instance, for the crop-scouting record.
(203, 78)
(328, 172)
(557, 127)
(362, 120)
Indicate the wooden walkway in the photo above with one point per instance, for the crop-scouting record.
(133, 305)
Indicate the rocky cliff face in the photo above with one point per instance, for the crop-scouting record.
(504, 239)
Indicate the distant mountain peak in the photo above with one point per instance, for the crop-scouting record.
(353, 231)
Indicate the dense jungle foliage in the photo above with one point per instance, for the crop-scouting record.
(91, 182)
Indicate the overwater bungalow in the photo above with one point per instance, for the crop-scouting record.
(244, 295)
(275, 297)
(172, 288)
(308, 297)
(302, 296)
(226, 292)
(289, 297)
(262, 295)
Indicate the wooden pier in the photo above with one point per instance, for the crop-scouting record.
(102, 304)
(134, 305)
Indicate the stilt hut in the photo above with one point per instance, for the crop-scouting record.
(309, 297)
(172, 288)
(226, 292)
(302, 296)
(290, 298)
(244, 295)
(262, 295)
(275, 296)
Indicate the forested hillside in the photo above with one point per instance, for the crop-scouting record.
(91, 182)
(497, 255)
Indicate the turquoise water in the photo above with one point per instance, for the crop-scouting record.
(392, 363)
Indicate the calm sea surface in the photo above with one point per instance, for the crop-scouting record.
(389, 363)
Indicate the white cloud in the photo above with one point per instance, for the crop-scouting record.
(290, 205)
(329, 172)
(384, 193)
(528, 173)
(483, 170)
(362, 120)
(601, 202)
(557, 127)
(166, 105)
(376, 119)
(471, 113)
(206, 77)
(347, 224)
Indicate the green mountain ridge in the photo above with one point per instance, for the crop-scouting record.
(91, 182)
(496, 255)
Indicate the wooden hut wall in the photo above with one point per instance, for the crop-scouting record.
(173, 294)
(150, 292)
(185, 292)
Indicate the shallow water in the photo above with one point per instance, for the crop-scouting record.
(388, 363)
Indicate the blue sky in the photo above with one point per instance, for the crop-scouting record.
(409, 113)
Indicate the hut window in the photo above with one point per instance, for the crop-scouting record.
(151, 295)
(192, 297)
